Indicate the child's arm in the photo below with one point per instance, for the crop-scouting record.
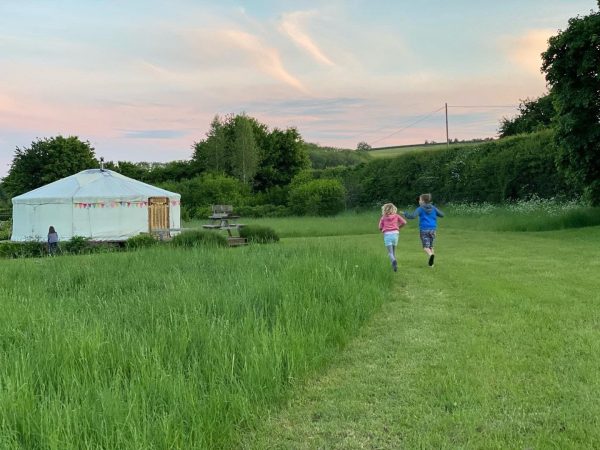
(438, 212)
(401, 222)
(381, 224)
(411, 215)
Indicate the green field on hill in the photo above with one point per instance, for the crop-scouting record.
(402, 150)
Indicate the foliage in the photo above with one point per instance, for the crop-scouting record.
(283, 156)
(199, 238)
(143, 240)
(240, 146)
(324, 157)
(47, 160)
(244, 151)
(508, 169)
(5, 229)
(534, 115)
(571, 65)
(77, 245)
(27, 249)
(363, 147)
(208, 189)
(266, 210)
(325, 197)
(259, 234)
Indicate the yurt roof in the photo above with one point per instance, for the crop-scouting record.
(90, 185)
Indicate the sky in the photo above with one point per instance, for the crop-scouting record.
(141, 80)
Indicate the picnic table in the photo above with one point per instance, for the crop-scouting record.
(222, 218)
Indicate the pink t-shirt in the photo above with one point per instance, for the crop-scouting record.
(391, 222)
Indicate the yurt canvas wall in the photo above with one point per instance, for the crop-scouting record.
(98, 204)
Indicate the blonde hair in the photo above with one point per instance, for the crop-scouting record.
(388, 208)
(425, 198)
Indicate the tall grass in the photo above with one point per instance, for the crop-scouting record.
(167, 347)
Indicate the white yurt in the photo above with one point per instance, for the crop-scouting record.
(98, 204)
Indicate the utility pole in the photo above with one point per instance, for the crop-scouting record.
(447, 139)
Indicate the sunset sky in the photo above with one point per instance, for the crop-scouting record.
(142, 79)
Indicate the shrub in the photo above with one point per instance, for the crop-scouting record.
(142, 240)
(198, 238)
(263, 211)
(5, 230)
(325, 197)
(258, 233)
(28, 249)
(77, 245)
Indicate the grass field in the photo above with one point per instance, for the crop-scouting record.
(397, 151)
(313, 342)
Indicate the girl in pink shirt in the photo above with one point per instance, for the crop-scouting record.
(390, 224)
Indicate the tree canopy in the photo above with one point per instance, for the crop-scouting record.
(572, 67)
(48, 160)
(534, 115)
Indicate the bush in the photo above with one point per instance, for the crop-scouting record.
(259, 234)
(5, 230)
(508, 169)
(325, 197)
(199, 238)
(28, 249)
(77, 245)
(263, 211)
(143, 240)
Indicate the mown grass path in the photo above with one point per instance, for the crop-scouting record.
(497, 347)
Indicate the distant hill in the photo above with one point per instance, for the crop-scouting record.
(390, 152)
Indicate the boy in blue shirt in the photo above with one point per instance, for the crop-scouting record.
(428, 215)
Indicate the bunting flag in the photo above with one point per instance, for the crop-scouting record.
(111, 204)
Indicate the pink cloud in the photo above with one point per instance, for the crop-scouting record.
(290, 25)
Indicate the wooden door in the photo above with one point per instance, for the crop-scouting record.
(158, 215)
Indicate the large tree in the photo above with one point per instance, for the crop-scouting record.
(572, 67)
(48, 160)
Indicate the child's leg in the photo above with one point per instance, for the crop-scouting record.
(391, 253)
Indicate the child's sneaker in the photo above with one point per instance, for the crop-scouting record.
(431, 258)
(395, 265)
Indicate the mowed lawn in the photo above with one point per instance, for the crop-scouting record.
(497, 346)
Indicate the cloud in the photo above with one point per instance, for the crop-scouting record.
(526, 50)
(153, 134)
(265, 58)
(290, 25)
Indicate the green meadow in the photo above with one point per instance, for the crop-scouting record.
(393, 152)
(313, 342)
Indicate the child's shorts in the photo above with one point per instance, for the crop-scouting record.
(390, 238)
(427, 238)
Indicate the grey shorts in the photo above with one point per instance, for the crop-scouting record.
(427, 238)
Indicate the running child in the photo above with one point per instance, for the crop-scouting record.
(427, 214)
(390, 224)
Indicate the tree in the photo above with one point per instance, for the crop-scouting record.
(283, 156)
(48, 160)
(572, 67)
(244, 152)
(534, 115)
(363, 147)
(210, 153)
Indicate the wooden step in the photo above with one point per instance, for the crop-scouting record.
(236, 241)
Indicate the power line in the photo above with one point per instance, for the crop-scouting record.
(483, 106)
(409, 125)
